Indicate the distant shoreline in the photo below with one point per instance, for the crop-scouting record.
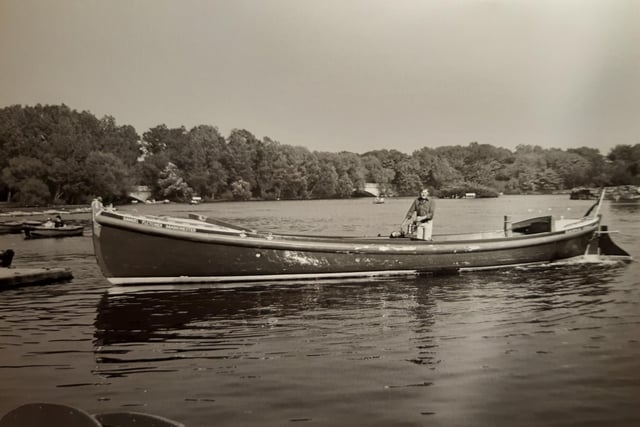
(49, 211)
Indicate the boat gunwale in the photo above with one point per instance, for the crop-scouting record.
(265, 240)
(65, 228)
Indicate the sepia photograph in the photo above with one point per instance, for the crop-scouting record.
(265, 213)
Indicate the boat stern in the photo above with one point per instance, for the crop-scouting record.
(602, 245)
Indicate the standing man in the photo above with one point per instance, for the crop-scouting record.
(424, 208)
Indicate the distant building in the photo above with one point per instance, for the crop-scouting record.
(140, 193)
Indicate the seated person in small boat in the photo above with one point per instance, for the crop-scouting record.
(58, 222)
(48, 223)
(424, 208)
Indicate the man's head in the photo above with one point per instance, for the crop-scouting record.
(424, 194)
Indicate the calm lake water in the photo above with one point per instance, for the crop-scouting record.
(545, 346)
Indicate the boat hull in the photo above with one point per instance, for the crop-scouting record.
(10, 227)
(131, 250)
(52, 232)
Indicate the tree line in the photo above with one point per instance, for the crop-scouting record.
(54, 154)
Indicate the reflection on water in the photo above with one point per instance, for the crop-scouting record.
(211, 322)
(423, 344)
(143, 314)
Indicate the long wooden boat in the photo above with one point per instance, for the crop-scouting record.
(40, 232)
(142, 249)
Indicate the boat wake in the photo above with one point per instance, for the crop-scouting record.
(582, 260)
(590, 260)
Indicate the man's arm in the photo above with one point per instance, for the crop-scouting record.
(432, 209)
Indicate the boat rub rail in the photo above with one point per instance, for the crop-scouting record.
(214, 234)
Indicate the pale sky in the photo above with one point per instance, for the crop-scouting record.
(335, 75)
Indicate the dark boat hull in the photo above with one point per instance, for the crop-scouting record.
(168, 257)
(10, 227)
(36, 232)
(137, 250)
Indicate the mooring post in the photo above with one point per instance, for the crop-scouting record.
(507, 226)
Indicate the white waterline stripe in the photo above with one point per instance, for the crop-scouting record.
(254, 278)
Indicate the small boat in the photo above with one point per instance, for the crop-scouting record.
(30, 224)
(10, 227)
(378, 200)
(43, 231)
(583, 194)
(142, 249)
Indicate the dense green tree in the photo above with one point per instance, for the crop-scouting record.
(172, 184)
(546, 181)
(269, 169)
(528, 162)
(378, 174)
(121, 141)
(289, 175)
(110, 176)
(61, 140)
(309, 172)
(388, 158)
(161, 139)
(435, 170)
(407, 179)
(148, 171)
(161, 146)
(597, 164)
(483, 164)
(241, 189)
(327, 182)
(33, 192)
(51, 153)
(350, 168)
(572, 168)
(24, 175)
(242, 156)
(344, 186)
(624, 166)
(206, 148)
